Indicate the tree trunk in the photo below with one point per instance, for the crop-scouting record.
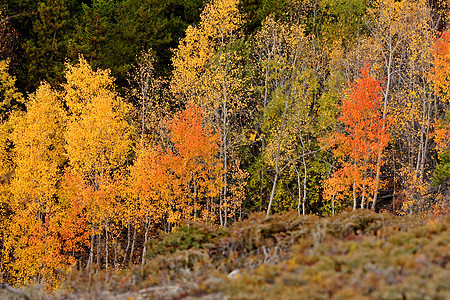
(115, 252)
(304, 175)
(106, 246)
(128, 246)
(91, 258)
(299, 182)
(98, 248)
(132, 245)
(91, 254)
(332, 203)
(272, 193)
(144, 250)
(354, 188)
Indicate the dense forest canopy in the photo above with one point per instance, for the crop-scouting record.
(121, 119)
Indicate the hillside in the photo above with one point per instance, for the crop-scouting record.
(359, 255)
(123, 120)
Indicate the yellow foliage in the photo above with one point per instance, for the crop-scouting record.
(219, 21)
(33, 252)
(39, 145)
(207, 74)
(98, 135)
(9, 95)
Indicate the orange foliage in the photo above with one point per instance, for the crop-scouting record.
(441, 70)
(174, 184)
(441, 74)
(365, 134)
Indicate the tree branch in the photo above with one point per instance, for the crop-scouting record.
(5, 19)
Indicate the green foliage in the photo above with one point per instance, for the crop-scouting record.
(46, 52)
(442, 172)
(195, 236)
(110, 33)
(343, 20)
(273, 8)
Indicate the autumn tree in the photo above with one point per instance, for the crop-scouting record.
(98, 141)
(207, 73)
(147, 90)
(195, 162)
(279, 66)
(178, 182)
(364, 134)
(400, 48)
(441, 78)
(287, 70)
(38, 137)
(10, 100)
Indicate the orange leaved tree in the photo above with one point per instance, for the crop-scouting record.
(194, 161)
(364, 135)
(177, 182)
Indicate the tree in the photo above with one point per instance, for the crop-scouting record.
(11, 101)
(286, 79)
(441, 69)
(93, 34)
(441, 79)
(342, 20)
(10, 98)
(178, 183)
(98, 142)
(195, 162)
(400, 48)
(206, 73)
(38, 138)
(279, 47)
(365, 134)
(110, 33)
(146, 89)
(45, 53)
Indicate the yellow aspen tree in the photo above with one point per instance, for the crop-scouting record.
(400, 49)
(98, 141)
(10, 97)
(39, 147)
(206, 72)
(147, 90)
(38, 138)
(10, 100)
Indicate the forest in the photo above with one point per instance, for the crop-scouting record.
(124, 120)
